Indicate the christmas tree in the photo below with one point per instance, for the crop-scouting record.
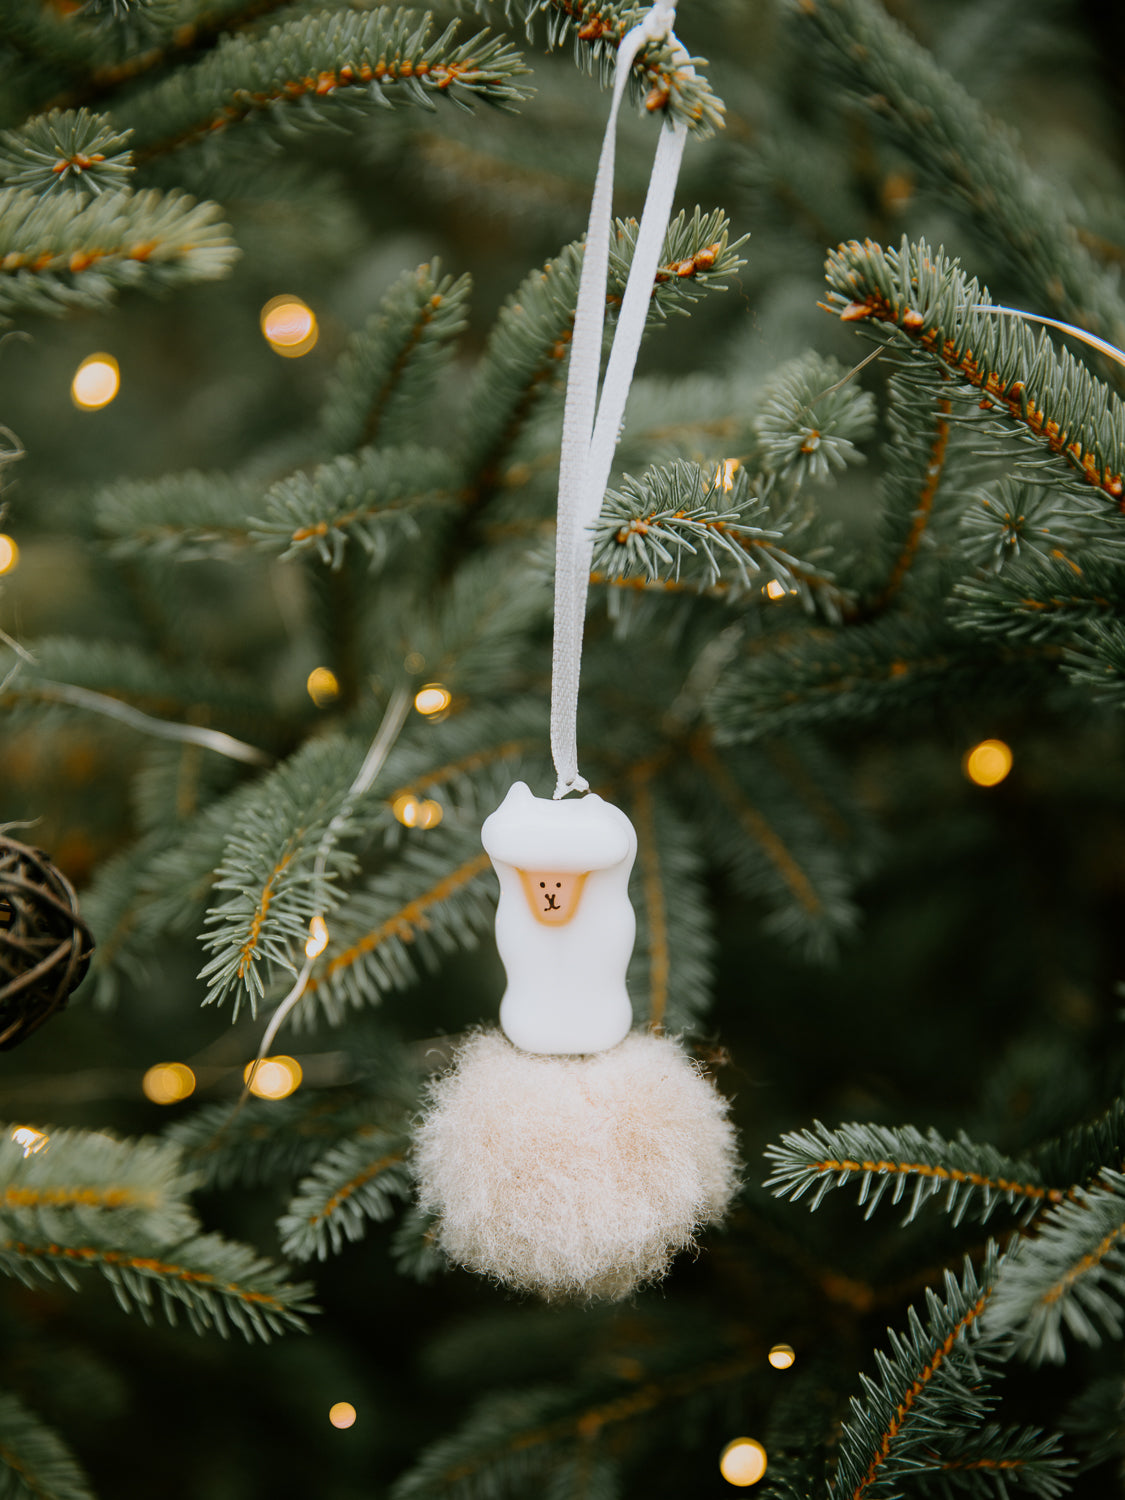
(288, 292)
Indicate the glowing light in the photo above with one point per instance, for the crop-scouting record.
(775, 589)
(988, 763)
(317, 939)
(289, 326)
(9, 553)
(432, 699)
(742, 1462)
(727, 470)
(405, 808)
(29, 1138)
(429, 815)
(274, 1077)
(96, 382)
(781, 1356)
(322, 686)
(168, 1083)
(342, 1414)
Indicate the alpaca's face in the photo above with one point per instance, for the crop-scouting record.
(552, 896)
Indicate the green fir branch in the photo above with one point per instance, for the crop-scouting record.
(70, 1183)
(389, 371)
(672, 964)
(184, 517)
(216, 1284)
(68, 153)
(970, 158)
(1045, 397)
(524, 357)
(1069, 1275)
(35, 1464)
(358, 1182)
(54, 260)
(1049, 601)
(381, 498)
(991, 1462)
(931, 1387)
(890, 1161)
(681, 524)
(810, 419)
(659, 77)
(321, 70)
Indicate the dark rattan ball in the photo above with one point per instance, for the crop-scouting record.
(45, 946)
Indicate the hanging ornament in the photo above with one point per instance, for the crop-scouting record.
(567, 1154)
(45, 946)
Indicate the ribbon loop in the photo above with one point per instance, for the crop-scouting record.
(591, 427)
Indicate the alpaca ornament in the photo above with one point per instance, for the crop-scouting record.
(567, 1154)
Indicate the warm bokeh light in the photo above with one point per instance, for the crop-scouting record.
(96, 382)
(9, 553)
(274, 1077)
(781, 1356)
(318, 937)
(29, 1138)
(289, 326)
(742, 1462)
(342, 1414)
(776, 590)
(322, 686)
(727, 470)
(432, 699)
(168, 1083)
(988, 763)
(417, 812)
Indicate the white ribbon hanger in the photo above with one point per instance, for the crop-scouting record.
(591, 427)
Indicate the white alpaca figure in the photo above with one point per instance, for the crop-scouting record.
(564, 926)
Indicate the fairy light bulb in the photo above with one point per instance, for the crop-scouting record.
(781, 1356)
(274, 1077)
(168, 1083)
(742, 1462)
(96, 382)
(289, 326)
(9, 553)
(405, 808)
(318, 937)
(727, 470)
(31, 1140)
(432, 699)
(322, 686)
(342, 1414)
(776, 590)
(988, 763)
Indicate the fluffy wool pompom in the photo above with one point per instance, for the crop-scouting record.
(573, 1176)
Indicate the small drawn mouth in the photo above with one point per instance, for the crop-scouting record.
(552, 904)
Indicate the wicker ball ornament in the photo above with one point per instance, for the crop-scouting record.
(45, 946)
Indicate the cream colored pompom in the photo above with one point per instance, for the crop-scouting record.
(573, 1176)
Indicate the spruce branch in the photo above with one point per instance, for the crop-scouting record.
(811, 419)
(659, 77)
(1069, 1274)
(217, 1284)
(1047, 398)
(523, 358)
(993, 1460)
(1052, 600)
(53, 260)
(932, 1386)
(969, 157)
(890, 1160)
(381, 498)
(311, 72)
(355, 1183)
(76, 1181)
(71, 152)
(390, 368)
(184, 517)
(35, 1464)
(683, 524)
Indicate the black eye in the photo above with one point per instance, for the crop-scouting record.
(558, 885)
(542, 884)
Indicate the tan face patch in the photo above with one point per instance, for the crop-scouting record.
(553, 897)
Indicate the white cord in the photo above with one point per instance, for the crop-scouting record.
(591, 428)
